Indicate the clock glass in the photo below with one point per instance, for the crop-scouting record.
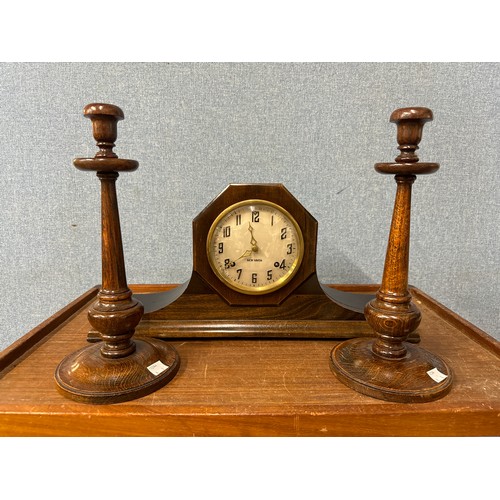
(255, 246)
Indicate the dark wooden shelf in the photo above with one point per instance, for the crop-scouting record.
(251, 387)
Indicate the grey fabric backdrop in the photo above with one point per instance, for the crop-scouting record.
(316, 127)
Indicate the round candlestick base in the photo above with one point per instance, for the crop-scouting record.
(417, 378)
(88, 377)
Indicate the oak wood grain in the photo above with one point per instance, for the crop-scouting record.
(118, 368)
(387, 367)
(258, 388)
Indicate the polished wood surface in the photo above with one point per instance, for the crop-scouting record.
(252, 387)
(300, 308)
(203, 314)
(388, 367)
(236, 193)
(119, 368)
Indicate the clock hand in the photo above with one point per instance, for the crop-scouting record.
(232, 263)
(246, 253)
(253, 241)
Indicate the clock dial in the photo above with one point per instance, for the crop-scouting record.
(255, 246)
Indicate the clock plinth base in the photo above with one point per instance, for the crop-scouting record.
(194, 311)
(88, 377)
(403, 381)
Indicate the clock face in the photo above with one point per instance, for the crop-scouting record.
(255, 247)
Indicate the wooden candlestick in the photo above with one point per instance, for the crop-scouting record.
(119, 368)
(388, 367)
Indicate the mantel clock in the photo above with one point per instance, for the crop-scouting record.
(254, 275)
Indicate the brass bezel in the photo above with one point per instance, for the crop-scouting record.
(262, 290)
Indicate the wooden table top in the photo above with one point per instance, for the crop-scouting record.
(251, 387)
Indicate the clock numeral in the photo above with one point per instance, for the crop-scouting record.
(226, 231)
(272, 220)
(238, 219)
(283, 233)
(289, 248)
(280, 265)
(228, 263)
(221, 247)
(254, 278)
(239, 271)
(270, 275)
(255, 216)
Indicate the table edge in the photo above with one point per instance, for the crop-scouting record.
(38, 334)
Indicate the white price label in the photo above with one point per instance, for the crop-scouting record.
(436, 375)
(157, 368)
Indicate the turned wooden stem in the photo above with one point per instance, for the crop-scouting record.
(395, 278)
(113, 264)
(392, 314)
(114, 314)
